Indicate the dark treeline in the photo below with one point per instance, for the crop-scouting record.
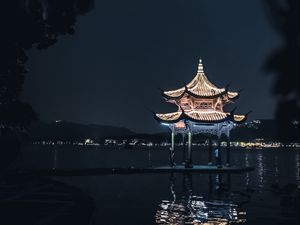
(283, 62)
(27, 24)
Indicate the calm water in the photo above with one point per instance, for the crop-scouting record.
(266, 195)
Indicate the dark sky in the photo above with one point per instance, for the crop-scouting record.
(109, 71)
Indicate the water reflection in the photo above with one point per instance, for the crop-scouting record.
(297, 169)
(276, 170)
(219, 208)
(260, 169)
(247, 164)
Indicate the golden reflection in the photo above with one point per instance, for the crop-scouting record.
(298, 169)
(189, 209)
(247, 164)
(260, 169)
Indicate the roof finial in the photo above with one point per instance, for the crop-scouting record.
(200, 66)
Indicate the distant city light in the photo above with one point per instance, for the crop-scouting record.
(88, 141)
(255, 144)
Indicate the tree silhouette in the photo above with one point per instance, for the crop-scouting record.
(27, 24)
(284, 63)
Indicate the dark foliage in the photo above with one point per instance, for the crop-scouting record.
(27, 24)
(284, 63)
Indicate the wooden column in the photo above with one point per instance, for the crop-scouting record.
(172, 149)
(228, 152)
(220, 152)
(189, 153)
(210, 150)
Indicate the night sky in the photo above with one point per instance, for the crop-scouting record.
(109, 71)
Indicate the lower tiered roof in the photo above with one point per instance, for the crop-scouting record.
(210, 116)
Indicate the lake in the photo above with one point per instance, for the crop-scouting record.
(267, 195)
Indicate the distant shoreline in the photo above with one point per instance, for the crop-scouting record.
(234, 145)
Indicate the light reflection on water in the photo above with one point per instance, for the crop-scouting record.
(276, 170)
(270, 185)
(297, 169)
(247, 164)
(260, 169)
(195, 210)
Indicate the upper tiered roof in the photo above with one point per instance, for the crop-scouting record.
(200, 87)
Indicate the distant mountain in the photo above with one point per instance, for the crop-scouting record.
(69, 131)
(249, 131)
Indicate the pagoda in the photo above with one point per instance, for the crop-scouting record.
(200, 110)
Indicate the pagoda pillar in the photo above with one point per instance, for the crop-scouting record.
(189, 153)
(172, 149)
(228, 159)
(210, 150)
(220, 152)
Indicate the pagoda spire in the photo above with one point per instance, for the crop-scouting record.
(200, 67)
(200, 87)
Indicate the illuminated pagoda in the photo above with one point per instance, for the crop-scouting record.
(200, 110)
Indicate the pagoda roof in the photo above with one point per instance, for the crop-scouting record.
(199, 87)
(199, 116)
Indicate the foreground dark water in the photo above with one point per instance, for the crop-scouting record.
(267, 195)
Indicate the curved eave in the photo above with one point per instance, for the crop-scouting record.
(239, 118)
(172, 97)
(161, 120)
(234, 97)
